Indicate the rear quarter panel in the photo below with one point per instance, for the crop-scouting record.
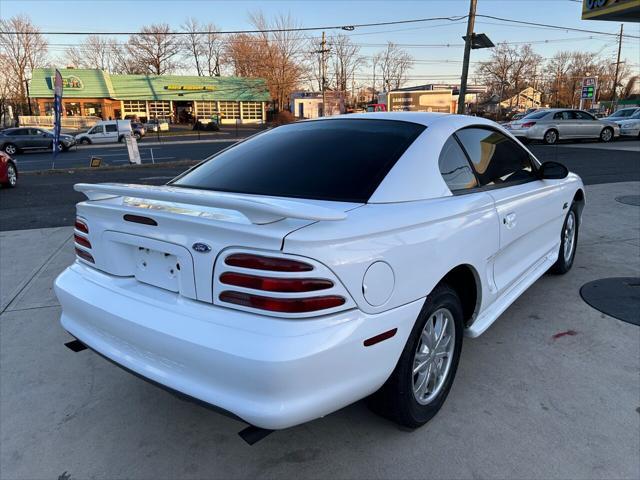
(421, 241)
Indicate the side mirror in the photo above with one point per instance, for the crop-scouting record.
(553, 171)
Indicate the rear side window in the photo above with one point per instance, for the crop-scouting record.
(455, 168)
(337, 159)
(496, 158)
(111, 127)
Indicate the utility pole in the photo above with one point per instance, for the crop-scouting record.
(467, 52)
(615, 79)
(323, 51)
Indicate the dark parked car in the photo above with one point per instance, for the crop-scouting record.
(14, 140)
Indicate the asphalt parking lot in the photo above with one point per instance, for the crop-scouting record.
(550, 391)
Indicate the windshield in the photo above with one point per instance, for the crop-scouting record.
(339, 160)
(625, 112)
(636, 115)
(535, 115)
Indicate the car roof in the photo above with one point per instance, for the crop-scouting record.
(423, 118)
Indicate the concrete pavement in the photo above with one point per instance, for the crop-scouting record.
(524, 404)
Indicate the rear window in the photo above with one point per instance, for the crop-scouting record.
(536, 115)
(339, 160)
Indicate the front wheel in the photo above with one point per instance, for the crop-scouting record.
(551, 137)
(85, 141)
(568, 242)
(420, 383)
(606, 135)
(12, 176)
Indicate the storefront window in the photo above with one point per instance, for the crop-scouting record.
(93, 110)
(48, 108)
(252, 110)
(134, 107)
(230, 110)
(72, 109)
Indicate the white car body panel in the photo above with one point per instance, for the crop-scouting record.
(629, 127)
(383, 257)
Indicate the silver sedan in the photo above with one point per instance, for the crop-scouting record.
(555, 124)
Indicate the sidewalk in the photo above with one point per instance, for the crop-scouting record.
(524, 405)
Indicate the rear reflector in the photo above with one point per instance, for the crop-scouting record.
(81, 240)
(84, 255)
(270, 284)
(81, 226)
(379, 338)
(283, 305)
(140, 219)
(258, 262)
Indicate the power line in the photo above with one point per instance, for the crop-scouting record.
(269, 30)
(557, 27)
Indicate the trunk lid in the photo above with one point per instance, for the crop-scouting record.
(173, 245)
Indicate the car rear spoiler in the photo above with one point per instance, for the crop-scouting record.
(259, 210)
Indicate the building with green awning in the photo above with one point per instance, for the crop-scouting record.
(175, 98)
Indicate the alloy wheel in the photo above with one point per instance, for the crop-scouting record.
(433, 356)
(569, 236)
(551, 137)
(12, 176)
(606, 135)
(10, 149)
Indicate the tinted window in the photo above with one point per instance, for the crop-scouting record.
(566, 115)
(18, 131)
(496, 158)
(536, 115)
(455, 168)
(343, 160)
(111, 127)
(584, 116)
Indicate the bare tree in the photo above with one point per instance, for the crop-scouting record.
(155, 49)
(394, 65)
(346, 59)
(95, 52)
(23, 48)
(192, 42)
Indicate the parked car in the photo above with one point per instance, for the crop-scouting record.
(16, 140)
(155, 125)
(622, 114)
(8, 171)
(106, 131)
(556, 124)
(630, 126)
(377, 107)
(138, 130)
(288, 286)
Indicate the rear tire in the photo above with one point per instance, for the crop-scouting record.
(550, 137)
(606, 135)
(568, 242)
(424, 364)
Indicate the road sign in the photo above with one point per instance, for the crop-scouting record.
(132, 149)
(96, 162)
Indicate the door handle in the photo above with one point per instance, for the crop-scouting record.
(509, 220)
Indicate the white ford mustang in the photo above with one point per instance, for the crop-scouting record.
(319, 263)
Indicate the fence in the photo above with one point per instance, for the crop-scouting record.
(67, 123)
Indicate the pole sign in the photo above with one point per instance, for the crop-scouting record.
(132, 149)
(589, 85)
(57, 112)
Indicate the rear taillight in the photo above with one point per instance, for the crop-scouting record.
(84, 255)
(271, 284)
(278, 285)
(528, 124)
(284, 305)
(271, 264)
(82, 241)
(81, 226)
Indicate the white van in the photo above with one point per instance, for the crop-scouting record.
(105, 131)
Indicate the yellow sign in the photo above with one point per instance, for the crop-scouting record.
(615, 10)
(190, 87)
(96, 162)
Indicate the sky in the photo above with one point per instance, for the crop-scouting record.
(439, 64)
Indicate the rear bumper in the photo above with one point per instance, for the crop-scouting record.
(271, 373)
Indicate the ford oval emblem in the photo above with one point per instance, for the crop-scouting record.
(201, 247)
